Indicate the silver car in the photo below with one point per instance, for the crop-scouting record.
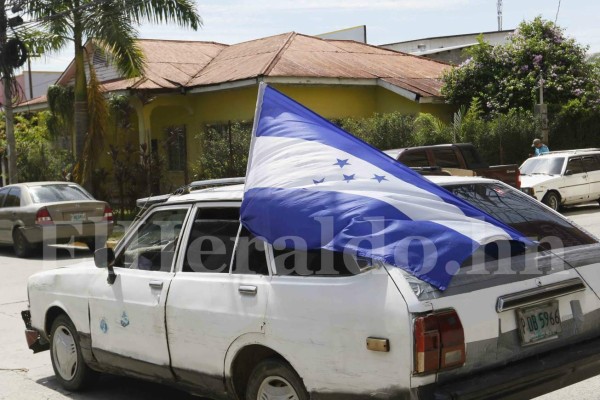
(37, 213)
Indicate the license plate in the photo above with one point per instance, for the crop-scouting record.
(77, 217)
(539, 323)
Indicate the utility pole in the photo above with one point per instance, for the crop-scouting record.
(8, 107)
(499, 5)
(541, 110)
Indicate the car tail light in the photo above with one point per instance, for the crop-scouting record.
(518, 178)
(43, 217)
(439, 342)
(108, 214)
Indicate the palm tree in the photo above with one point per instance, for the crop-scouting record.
(110, 25)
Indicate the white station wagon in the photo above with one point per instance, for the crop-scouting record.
(187, 307)
(563, 178)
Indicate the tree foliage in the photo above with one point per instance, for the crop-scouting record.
(37, 156)
(225, 151)
(111, 27)
(507, 76)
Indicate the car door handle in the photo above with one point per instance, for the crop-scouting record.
(249, 290)
(156, 284)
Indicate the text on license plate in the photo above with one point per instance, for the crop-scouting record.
(538, 322)
(75, 217)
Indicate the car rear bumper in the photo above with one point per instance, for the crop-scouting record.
(59, 232)
(523, 379)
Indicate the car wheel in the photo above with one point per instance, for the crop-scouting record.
(94, 244)
(552, 200)
(22, 247)
(274, 379)
(67, 360)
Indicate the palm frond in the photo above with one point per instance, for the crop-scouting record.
(115, 36)
(182, 12)
(43, 42)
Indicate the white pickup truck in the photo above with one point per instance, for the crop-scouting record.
(563, 178)
(177, 302)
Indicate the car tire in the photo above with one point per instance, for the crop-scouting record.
(69, 366)
(91, 243)
(21, 245)
(552, 200)
(275, 379)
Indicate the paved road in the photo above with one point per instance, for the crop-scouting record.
(25, 376)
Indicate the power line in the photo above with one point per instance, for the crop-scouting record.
(557, 11)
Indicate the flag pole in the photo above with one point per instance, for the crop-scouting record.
(259, 100)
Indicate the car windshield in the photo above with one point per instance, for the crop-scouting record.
(56, 193)
(542, 166)
(523, 213)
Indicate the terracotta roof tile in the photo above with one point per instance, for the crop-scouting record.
(301, 56)
(174, 64)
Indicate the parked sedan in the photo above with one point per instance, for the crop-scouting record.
(563, 178)
(189, 298)
(33, 214)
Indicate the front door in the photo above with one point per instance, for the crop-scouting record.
(5, 221)
(575, 187)
(127, 318)
(591, 164)
(215, 298)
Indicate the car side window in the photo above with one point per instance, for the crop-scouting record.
(575, 166)
(13, 199)
(211, 244)
(250, 255)
(3, 193)
(414, 158)
(153, 245)
(212, 239)
(446, 158)
(591, 163)
(320, 263)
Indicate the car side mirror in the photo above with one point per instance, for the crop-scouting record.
(104, 257)
(568, 172)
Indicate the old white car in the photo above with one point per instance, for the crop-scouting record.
(563, 178)
(190, 298)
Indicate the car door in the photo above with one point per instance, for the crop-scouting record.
(215, 298)
(5, 223)
(575, 186)
(127, 318)
(591, 164)
(10, 212)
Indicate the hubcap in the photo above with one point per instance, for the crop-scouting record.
(276, 388)
(553, 203)
(64, 353)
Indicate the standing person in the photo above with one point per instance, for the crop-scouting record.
(540, 148)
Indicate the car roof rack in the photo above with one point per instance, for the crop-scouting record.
(574, 151)
(146, 202)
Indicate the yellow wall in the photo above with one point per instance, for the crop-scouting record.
(197, 110)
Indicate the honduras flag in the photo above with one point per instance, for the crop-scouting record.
(304, 171)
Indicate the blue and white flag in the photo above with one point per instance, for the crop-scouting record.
(303, 170)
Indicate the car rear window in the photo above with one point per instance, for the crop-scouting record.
(446, 158)
(414, 158)
(524, 214)
(56, 193)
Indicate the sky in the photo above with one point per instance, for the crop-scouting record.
(387, 21)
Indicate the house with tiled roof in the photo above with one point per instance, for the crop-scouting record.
(195, 84)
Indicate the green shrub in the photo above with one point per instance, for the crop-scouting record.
(225, 150)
